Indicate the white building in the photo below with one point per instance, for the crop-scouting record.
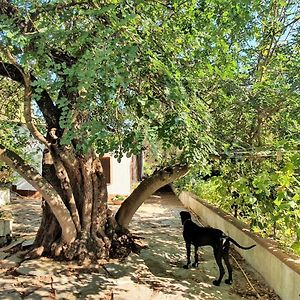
(122, 176)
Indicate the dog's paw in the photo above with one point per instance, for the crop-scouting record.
(186, 266)
(216, 282)
(228, 281)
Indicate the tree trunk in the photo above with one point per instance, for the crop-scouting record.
(84, 193)
(75, 213)
(145, 190)
(53, 199)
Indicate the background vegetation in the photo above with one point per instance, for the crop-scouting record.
(255, 124)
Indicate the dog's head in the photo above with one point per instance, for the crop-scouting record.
(185, 215)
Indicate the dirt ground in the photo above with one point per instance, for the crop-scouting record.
(156, 273)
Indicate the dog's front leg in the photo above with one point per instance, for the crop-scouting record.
(188, 255)
(196, 263)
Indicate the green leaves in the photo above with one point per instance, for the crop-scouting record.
(183, 79)
(263, 192)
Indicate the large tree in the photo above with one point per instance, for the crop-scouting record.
(259, 108)
(256, 123)
(93, 77)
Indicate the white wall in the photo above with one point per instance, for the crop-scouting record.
(4, 195)
(120, 176)
(281, 271)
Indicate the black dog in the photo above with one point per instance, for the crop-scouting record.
(206, 236)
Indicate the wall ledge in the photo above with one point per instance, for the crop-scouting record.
(291, 260)
(280, 270)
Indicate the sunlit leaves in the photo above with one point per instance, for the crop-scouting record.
(263, 192)
(179, 76)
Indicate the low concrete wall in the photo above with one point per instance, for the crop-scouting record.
(281, 271)
(4, 195)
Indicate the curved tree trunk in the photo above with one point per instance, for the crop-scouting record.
(145, 190)
(84, 191)
(53, 199)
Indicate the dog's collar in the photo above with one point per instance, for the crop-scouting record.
(185, 221)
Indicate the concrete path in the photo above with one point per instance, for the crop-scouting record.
(156, 273)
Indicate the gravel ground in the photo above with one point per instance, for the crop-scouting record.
(156, 273)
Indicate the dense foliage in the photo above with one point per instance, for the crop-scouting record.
(261, 191)
(127, 66)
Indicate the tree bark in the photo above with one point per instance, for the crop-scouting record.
(144, 190)
(88, 206)
(80, 226)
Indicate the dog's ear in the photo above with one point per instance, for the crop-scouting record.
(189, 216)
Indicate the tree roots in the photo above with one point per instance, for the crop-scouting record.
(124, 244)
(93, 248)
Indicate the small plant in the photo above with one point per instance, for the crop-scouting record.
(5, 215)
(118, 198)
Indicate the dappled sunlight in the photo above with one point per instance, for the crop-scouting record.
(165, 256)
(156, 273)
(26, 215)
(294, 260)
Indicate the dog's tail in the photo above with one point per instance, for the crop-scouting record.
(238, 245)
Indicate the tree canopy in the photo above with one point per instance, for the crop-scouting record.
(141, 72)
(125, 66)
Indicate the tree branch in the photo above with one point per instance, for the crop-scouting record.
(145, 189)
(8, 9)
(11, 71)
(63, 175)
(45, 188)
(28, 115)
(50, 112)
(58, 6)
(27, 99)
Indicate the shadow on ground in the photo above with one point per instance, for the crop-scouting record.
(156, 273)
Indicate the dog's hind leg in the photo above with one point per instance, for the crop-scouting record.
(196, 263)
(218, 257)
(229, 268)
(188, 255)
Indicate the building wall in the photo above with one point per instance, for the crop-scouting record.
(120, 181)
(120, 173)
(35, 150)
